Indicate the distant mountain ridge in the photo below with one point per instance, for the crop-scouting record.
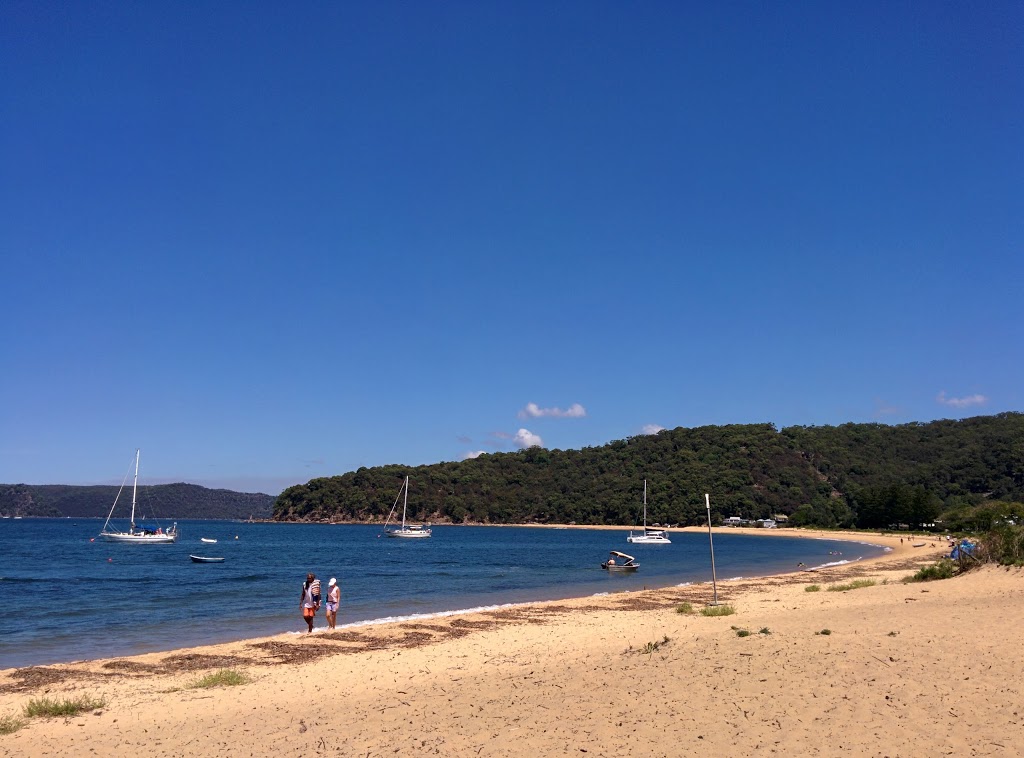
(164, 501)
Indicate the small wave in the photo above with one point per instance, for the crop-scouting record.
(601, 594)
(316, 629)
(422, 616)
(834, 563)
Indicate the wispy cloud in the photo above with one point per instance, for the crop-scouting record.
(883, 408)
(532, 410)
(525, 438)
(473, 454)
(651, 429)
(464, 439)
(960, 402)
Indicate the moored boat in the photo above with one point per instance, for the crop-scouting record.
(410, 531)
(135, 533)
(629, 563)
(649, 536)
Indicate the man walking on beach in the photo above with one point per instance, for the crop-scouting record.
(314, 589)
(309, 602)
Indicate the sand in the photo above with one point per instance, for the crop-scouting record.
(906, 670)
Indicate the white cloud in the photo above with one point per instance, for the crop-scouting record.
(525, 438)
(651, 429)
(532, 410)
(473, 454)
(960, 402)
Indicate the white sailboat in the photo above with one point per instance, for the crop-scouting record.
(408, 531)
(134, 533)
(649, 536)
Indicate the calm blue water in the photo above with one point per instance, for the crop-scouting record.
(64, 597)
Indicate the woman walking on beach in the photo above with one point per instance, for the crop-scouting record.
(307, 601)
(333, 600)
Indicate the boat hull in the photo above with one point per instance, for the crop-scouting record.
(620, 569)
(204, 559)
(139, 539)
(408, 533)
(649, 539)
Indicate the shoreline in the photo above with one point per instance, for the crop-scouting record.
(623, 672)
(895, 547)
(360, 620)
(168, 640)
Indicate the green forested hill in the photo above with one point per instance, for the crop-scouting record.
(854, 474)
(165, 501)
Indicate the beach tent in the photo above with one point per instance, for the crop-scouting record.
(963, 549)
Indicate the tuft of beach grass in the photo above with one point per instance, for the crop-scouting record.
(944, 569)
(9, 724)
(45, 706)
(717, 610)
(222, 678)
(854, 585)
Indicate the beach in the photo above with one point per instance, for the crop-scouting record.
(891, 669)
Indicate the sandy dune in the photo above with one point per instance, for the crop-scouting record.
(906, 670)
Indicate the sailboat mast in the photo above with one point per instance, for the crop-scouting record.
(645, 506)
(406, 501)
(135, 486)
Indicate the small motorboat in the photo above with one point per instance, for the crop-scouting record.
(207, 539)
(628, 562)
(204, 559)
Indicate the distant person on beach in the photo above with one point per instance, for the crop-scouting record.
(333, 599)
(306, 601)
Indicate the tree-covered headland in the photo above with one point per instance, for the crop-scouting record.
(967, 473)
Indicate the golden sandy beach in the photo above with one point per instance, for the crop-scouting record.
(927, 669)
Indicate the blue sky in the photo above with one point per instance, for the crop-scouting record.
(267, 242)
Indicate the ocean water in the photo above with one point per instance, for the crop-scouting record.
(66, 595)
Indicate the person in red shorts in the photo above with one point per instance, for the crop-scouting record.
(309, 602)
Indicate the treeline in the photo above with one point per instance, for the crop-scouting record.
(164, 501)
(866, 475)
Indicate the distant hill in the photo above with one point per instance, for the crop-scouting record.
(164, 501)
(867, 475)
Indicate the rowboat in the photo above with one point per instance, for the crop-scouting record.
(204, 559)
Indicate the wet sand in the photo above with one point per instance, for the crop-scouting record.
(905, 670)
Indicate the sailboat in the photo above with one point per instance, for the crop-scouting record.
(649, 536)
(410, 530)
(134, 533)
